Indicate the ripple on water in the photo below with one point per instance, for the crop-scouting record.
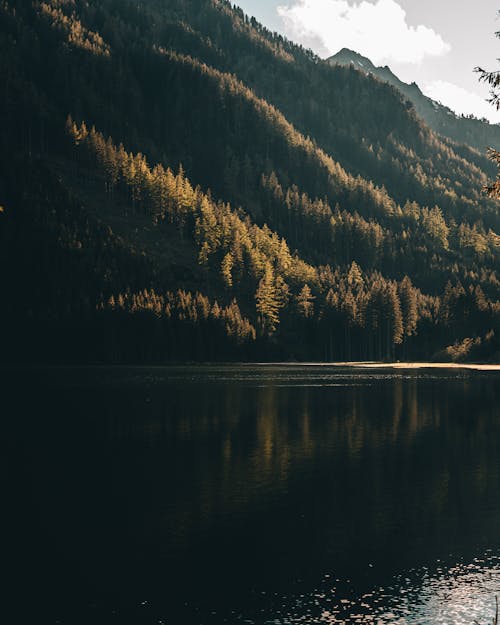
(459, 595)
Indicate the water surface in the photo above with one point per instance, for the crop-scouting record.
(271, 494)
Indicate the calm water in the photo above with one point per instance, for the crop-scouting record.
(265, 495)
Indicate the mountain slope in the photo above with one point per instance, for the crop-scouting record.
(476, 133)
(192, 198)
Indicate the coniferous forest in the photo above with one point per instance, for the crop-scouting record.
(177, 183)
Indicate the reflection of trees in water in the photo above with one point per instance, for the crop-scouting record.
(395, 457)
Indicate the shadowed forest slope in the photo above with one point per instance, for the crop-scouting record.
(178, 183)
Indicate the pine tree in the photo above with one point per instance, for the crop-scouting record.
(267, 301)
(409, 306)
(305, 302)
(226, 269)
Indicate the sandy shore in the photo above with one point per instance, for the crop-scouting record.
(421, 365)
(383, 365)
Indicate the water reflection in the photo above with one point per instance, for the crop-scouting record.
(460, 594)
(228, 493)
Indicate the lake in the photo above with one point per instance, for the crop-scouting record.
(251, 494)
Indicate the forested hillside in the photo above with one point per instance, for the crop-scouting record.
(477, 133)
(178, 183)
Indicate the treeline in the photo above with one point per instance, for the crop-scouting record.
(315, 311)
(171, 327)
(78, 292)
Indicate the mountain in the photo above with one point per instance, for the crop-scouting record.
(178, 183)
(477, 133)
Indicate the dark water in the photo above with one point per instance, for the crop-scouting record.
(265, 495)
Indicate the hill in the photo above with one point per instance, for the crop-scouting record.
(477, 133)
(178, 183)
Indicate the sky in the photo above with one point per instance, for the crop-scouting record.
(436, 43)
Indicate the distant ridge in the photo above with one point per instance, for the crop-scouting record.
(476, 133)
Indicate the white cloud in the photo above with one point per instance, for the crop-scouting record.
(460, 100)
(378, 30)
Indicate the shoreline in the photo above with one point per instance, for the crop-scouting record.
(339, 365)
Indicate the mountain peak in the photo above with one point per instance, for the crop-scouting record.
(350, 57)
(439, 117)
